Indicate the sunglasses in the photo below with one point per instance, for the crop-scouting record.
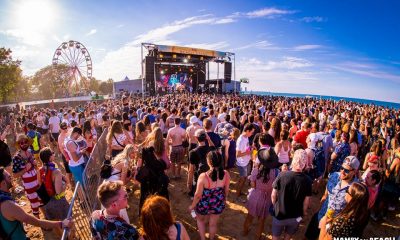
(23, 142)
(347, 171)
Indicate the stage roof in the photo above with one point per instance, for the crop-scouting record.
(187, 50)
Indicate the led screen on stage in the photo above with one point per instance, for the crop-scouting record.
(176, 81)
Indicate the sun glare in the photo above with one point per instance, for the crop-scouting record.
(35, 15)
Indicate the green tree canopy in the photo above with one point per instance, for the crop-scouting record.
(106, 87)
(10, 75)
(52, 81)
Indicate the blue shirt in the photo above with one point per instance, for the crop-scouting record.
(335, 199)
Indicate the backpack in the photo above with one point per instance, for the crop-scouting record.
(5, 155)
(319, 161)
(35, 143)
(106, 169)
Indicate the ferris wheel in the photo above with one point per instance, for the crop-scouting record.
(76, 56)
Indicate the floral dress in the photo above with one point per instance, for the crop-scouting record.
(212, 201)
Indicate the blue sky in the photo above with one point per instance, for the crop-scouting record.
(342, 48)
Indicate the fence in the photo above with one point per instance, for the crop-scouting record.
(84, 200)
(80, 211)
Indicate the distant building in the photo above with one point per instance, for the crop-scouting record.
(133, 86)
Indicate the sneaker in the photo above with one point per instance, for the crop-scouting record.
(391, 208)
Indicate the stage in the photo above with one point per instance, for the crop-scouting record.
(169, 69)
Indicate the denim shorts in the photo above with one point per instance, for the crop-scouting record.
(243, 171)
(289, 226)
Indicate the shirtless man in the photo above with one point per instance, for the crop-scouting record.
(194, 125)
(175, 137)
(170, 119)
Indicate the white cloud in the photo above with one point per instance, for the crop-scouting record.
(366, 70)
(306, 47)
(213, 46)
(264, 44)
(120, 25)
(313, 19)
(225, 21)
(91, 32)
(268, 12)
(25, 36)
(285, 63)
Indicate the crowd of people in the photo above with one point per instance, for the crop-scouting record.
(281, 151)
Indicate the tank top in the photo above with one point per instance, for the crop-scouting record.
(71, 162)
(46, 174)
(283, 155)
(14, 227)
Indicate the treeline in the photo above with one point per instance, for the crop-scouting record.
(47, 83)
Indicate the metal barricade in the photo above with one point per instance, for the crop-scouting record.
(80, 211)
(84, 200)
(91, 174)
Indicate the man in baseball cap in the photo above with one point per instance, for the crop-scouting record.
(335, 193)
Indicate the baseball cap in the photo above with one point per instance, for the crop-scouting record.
(373, 159)
(221, 117)
(352, 162)
(193, 120)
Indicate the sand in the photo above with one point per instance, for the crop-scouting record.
(231, 221)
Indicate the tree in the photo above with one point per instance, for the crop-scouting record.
(10, 75)
(106, 87)
(94, 85)
(52, 81)
(24, 90)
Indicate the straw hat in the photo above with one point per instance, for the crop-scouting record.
(23, 137)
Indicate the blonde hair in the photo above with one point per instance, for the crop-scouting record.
(124, 155)
(116, 127)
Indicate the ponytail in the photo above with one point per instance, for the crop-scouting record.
(216, 163)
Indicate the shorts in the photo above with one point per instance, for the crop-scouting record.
(177, 154)
(289, 226)
(65, 163)
(56, 209)
(54, 137)
(243, 170)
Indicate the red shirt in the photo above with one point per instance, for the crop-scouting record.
(301, 137)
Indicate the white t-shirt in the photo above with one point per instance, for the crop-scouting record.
(55, 121)
(314, 138)
(242, 145)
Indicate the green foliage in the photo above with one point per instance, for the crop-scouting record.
(52, 81)
(10, 75)
(106, 87)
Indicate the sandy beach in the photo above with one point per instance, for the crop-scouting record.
(231, 221)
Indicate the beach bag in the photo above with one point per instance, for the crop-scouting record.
(318, 162)
(5, 155)
(107, 169)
